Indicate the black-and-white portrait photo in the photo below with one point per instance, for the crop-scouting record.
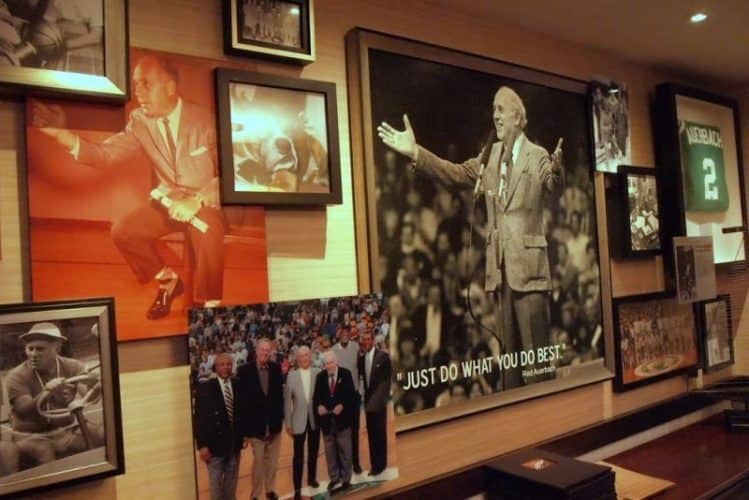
(59, 414)
(717, 327)
(272, 21)
(486, 228)
(610, 119)
(644, 222)
(63, 35)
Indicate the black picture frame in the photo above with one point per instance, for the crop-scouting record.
(112, 86)
(708, 319)
(652, 365)
(675, 104)
(239, 43)
(87, 324)
(635, 225)
(280, 88)
(438, 81)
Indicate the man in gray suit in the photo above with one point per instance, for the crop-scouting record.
(299, 416)
(517, 177)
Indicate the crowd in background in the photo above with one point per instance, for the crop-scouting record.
(431, 264)
(314, 323)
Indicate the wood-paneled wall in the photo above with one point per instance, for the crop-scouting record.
(312, 253)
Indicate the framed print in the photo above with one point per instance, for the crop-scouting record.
(276, 29)
(609, 116)
(65, 47)
(655, 338)
(637, 218)
(84, 210)
(699, 150)
(60, 419)
(450, 223)
(695, 271)
(295, 340)
(278, 140)
(716, 333)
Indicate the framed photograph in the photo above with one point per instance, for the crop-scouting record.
(60, 417)
(698, 149)
(609, 115)
(695, 271)
(640, 212)
(65, 47)
(276, 29)
(716, 333)
(454, 227)
(655, 338)
(300, 343)
(278, 140)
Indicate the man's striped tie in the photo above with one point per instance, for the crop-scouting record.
(229, 400)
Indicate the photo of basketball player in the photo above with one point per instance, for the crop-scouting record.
(685, 273)
(610, 118)
(715, 319)
(63, 35)
(644, 220)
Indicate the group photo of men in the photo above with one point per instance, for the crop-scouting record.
(486, 245)
(49, 373)
(292, 400)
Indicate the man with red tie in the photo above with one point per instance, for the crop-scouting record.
(218, 430)
(335, 401)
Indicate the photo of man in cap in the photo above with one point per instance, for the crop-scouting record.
(44, 377)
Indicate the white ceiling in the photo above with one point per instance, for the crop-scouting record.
(653, 32)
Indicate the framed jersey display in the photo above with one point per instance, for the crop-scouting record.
(635, 228)
(698, 146)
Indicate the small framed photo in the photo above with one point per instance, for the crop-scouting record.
(695, 271)
(655, 338)
(70, 47)
(276, 29)
(716, 333)
(699, 147)
(639, 197)
(60, 417)
(608, 106)
(278, 140)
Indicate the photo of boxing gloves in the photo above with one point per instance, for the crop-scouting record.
(63, 35)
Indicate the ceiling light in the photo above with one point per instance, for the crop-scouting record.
(698, 17)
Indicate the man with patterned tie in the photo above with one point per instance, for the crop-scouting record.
(299, 414)
(516, 177)
(179, 137)
(374, 365)
(262, 382)
(335, 401)
(218, 428)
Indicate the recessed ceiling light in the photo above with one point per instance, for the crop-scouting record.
(698, 17)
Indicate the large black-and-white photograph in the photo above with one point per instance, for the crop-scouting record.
(59, 420)
(610, 117)
(63, 35)
(644, 221)
(486, 243)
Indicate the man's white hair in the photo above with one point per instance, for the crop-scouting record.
(517, 104)
(302, 350)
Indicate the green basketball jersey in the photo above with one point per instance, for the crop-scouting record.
(705, 187)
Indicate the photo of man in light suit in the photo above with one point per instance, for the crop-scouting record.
(299, 418)
(515, 176)
(179, 138)
(376, 372)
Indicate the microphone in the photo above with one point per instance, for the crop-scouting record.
(484, 159)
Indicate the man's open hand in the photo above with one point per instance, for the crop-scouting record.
(402, 141)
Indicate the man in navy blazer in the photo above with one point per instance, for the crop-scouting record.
(376, 373)
(262, 382)
(179, 137)
(335, 403)
(219, 429)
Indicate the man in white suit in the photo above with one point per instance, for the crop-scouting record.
(299, 418)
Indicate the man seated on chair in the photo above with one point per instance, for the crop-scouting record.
(8, 450)
(38, 385)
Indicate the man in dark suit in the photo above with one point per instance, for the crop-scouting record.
(218, 428)
(335, 401)
(518, 176)
(376, 372)
(263, 403)
(179, 138)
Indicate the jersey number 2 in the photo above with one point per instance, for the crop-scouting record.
(711, 190)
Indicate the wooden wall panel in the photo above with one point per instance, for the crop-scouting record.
(312, 253)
